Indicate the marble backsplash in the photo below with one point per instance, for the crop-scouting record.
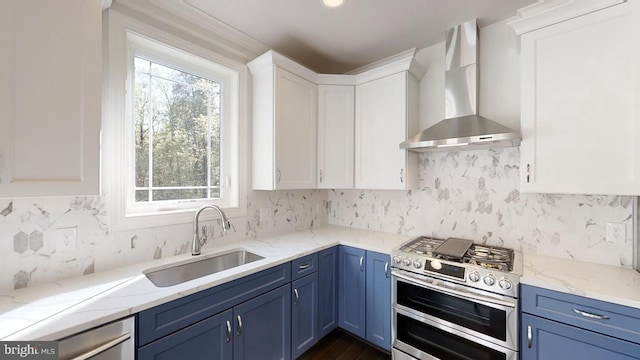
(28, 243)
(474, 195)
(469, 194)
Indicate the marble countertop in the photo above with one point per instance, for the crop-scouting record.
(615, 284)
(63, 308)
(60, 309)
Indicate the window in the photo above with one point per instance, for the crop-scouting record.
(176, 120)
(171, 137)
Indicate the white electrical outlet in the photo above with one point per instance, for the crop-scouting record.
(66, 239)
(616, 232)
(265, 214)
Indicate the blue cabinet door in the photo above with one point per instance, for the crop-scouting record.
(327, 290)
(379, 299)
(263, 327)
(207, 339)
(553, 340)
(304, 314)
(351, 298)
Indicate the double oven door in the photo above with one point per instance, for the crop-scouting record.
(433, 319)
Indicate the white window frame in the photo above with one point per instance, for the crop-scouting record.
(125, 38)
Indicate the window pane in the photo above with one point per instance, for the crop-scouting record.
(141, 128)
(185, 194)
(179, 115)
(142, 195)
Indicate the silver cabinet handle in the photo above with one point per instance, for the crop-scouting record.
(528, 172)
(228, 331)
(320, 175)
(590, 315)
(361, 263)
(278, 175)
(295, 292)
(401, 175)
(304, 266)
(239, 332)
(529, 336)
(104, 347)
(386, 269)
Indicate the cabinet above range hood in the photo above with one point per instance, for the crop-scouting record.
(462, 128)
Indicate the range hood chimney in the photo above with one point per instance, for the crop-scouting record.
(462, 128)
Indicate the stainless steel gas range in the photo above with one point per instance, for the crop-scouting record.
(453, 299)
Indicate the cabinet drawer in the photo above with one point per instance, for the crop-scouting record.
(614, 320)
(170, 317)
(554, 340)
(304, 266)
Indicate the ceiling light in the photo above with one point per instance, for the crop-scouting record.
(333, 3)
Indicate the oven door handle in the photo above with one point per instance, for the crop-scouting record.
(457, 293)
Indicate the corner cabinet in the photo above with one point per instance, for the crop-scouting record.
(50, 97)
(386, 114)
(365, 295)
(335, 136)
(580, 96)
(283, 124)
(564, 326)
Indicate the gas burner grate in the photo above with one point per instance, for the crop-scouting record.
(490, 257)
(421, 246)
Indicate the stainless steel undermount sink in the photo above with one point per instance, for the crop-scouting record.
(173, 274)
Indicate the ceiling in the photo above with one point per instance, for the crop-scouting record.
(336, 40)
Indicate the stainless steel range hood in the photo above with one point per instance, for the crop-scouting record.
(462, 128)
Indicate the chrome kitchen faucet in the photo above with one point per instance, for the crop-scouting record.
(199, 240)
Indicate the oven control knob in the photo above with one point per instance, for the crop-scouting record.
(436, 265)
(505, 283)
(407, 261)
(489, 280)
(474, 276)
(417, 264)
(396, 259)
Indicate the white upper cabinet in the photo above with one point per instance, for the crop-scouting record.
(580, 104)
(335, 136)
(386, 114)
(284, 125)
(356, 121)
(50, 96)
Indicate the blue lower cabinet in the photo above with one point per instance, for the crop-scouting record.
(351, 283)
(207, 339)
(554, 340)
(378, 305)
(304, 314)
(327, 290)
(263, 327)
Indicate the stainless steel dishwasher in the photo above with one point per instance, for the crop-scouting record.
(112, 341)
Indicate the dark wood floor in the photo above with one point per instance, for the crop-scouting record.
(340, 345)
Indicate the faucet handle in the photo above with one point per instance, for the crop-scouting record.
(230, 226)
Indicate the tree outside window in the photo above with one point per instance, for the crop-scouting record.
(177, 134)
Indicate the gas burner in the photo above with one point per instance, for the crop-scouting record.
(490, 257)
(421, 246)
